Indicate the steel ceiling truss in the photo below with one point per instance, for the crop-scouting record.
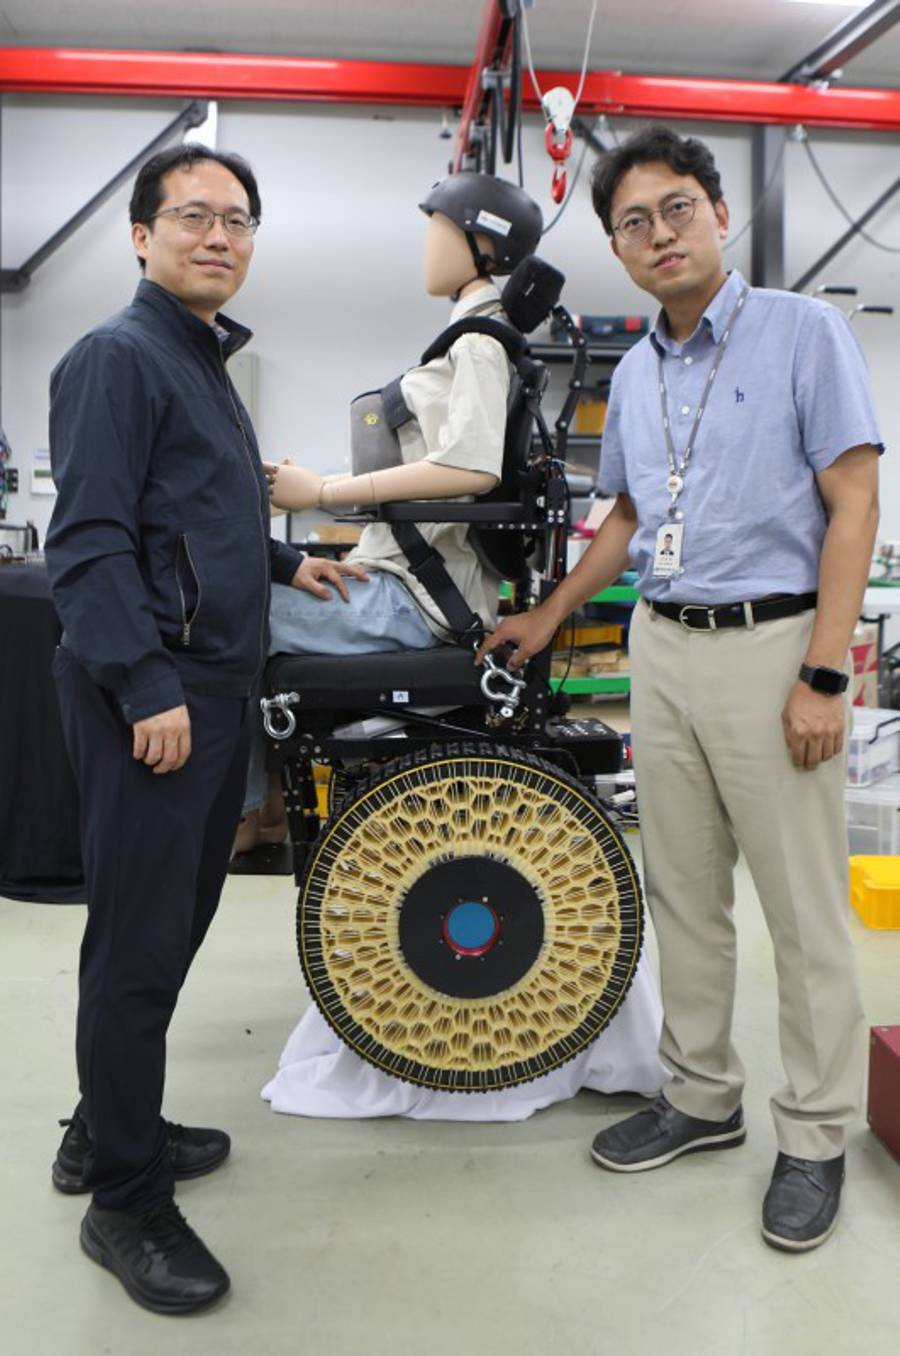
(845, 42)
(17, 279)
(221, 75)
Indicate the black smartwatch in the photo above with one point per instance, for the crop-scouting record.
(830, 682)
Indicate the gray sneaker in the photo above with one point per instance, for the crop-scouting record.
(660, 1133)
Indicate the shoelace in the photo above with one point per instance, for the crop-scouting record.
(804, 1168)
(165, 1226)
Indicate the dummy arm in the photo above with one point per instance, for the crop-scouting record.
(295, 487)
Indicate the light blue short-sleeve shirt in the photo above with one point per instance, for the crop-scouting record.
(791, 395)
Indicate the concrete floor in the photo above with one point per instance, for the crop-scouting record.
(392, 1237)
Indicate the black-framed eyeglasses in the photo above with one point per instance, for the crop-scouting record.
(199, 220)
(636, 226)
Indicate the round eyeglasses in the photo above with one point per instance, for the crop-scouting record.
(199, 220)
(636, 227)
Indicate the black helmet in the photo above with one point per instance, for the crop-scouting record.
(493, 207)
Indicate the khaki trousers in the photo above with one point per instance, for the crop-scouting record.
(714, 775)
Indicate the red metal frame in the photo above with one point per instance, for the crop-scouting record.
(234, 76)
(485, 51)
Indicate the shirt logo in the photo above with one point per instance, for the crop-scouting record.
(738, 396)
(370, 418)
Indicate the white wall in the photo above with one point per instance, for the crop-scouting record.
(334, 293)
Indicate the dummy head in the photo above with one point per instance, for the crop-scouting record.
(448, 264)
(479, 226)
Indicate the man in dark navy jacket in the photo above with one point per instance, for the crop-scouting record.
(160, 559)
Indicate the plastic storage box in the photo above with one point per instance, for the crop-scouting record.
(875, 890)
(873, 818)
(874, 750)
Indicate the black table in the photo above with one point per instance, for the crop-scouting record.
(40, 857)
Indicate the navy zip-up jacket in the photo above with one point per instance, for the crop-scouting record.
(158, 553)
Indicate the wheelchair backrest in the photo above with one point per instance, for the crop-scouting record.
(531, 292)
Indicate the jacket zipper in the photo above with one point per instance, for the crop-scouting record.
(186, 621)
(262, 529)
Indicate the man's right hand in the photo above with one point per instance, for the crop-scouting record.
(530, 632)
(163, 741)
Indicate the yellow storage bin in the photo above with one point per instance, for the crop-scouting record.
(875, 890)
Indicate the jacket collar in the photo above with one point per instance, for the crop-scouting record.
(176, 316)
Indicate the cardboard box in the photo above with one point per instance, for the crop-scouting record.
(864, 649)
(884, 1085)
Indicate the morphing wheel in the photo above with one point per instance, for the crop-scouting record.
(469, 919)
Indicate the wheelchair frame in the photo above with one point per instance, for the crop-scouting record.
(520, 712)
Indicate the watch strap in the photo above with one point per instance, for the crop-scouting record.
(830, 682)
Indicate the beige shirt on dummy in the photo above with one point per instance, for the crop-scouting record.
(459, 404)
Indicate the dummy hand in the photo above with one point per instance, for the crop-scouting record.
(293, 487)
(530, 632)
(813, 726)
(274, 511)
(314, 569)
(163, 741)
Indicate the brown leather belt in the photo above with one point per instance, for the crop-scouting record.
(699, 617)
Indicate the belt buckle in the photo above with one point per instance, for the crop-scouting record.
(698, 607)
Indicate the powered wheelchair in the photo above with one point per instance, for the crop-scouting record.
(469, 917)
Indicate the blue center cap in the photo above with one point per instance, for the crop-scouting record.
(471, 929)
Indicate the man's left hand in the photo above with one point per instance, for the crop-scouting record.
(813, 726)
(315, 569)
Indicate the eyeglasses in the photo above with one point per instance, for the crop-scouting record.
(199, 220)
(635, 227)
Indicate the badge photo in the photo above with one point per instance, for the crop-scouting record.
(667, 554)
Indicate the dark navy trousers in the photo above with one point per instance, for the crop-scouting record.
(155, 852)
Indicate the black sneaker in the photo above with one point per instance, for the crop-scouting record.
(194, 1151)
(157, 1256)
(655, 1136)
(801, 1205)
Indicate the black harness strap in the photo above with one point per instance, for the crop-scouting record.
(396, 411)
(514, 343)
(428, 566)
(425, 562)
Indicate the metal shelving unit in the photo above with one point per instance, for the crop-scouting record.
(614, 682)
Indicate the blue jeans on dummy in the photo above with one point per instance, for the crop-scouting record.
(380, 617)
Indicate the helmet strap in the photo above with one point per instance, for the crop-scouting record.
(482, 262)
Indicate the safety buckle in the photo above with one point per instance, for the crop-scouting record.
(279, 721)
(698, 607)
(494, 680)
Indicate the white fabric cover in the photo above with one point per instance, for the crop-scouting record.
(318, 1075)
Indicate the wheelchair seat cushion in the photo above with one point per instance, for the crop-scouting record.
(445, 674)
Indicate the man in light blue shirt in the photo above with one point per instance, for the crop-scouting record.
(741, 447)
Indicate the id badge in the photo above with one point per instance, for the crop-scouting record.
(667, 555)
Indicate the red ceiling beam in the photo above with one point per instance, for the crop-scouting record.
(662, 96)
(233, 76)
(227, 75)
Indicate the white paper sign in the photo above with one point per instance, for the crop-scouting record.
(41, 475)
